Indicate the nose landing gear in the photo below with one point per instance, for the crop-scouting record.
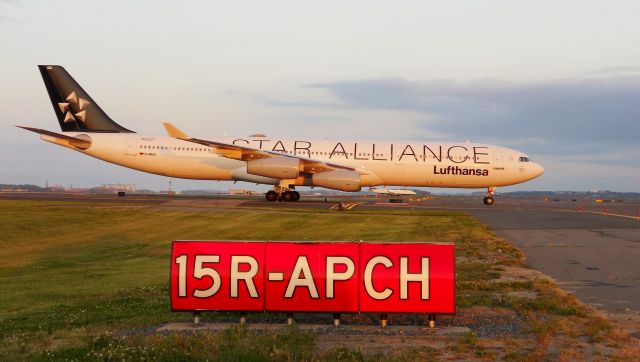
(488, 200)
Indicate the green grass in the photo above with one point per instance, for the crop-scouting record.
(82, 280)
(74, 271)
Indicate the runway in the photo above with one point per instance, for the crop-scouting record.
(593, 256)
(592, 250)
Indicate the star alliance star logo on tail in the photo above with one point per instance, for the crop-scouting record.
(79, 104)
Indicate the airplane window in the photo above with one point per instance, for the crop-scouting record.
(524, 159)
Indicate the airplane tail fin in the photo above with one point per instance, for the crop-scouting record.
(75, 109)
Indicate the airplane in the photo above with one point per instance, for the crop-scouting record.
(344, 164)
(399, 192)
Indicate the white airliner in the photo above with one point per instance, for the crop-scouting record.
(392, 192)
(345, 165)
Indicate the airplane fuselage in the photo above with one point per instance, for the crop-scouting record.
(388, 163)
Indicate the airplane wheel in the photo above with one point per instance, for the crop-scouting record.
(488, 200)
(296, 195)
(271, 196)
(288, 196)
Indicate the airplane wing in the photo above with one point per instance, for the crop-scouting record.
(247, 153)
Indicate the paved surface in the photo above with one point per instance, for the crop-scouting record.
(596, 257)
(591, 249)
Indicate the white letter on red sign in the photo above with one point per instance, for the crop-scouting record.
(368, 277)
(331, 275)
(307, 279)
(199, 272)
(182, 275)
(422, 277)
(247, 276)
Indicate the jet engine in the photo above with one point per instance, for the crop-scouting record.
(343, 180)
(275, 167)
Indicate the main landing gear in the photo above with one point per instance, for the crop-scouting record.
(488, 200)
(283, 194)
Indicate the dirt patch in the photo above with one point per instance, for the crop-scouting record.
(514, 273)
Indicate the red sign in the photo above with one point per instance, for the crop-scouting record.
(313, 277)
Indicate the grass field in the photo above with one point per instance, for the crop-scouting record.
(82, 280)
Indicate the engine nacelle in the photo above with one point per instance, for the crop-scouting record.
(275, 167)
(343, 180)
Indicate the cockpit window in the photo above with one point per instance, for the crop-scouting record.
(524, 159)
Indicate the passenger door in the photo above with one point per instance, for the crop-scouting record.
(497, 160)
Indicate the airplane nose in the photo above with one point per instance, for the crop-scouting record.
(537, 170)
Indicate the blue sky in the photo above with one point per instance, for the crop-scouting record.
(557, 80)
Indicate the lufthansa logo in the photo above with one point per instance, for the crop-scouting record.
(522, 169)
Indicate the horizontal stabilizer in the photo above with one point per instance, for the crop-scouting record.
(82, 143)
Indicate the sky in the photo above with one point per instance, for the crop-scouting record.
(559, 81)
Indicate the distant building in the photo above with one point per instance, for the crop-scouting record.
(114, 188)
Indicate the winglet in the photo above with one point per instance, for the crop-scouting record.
(174, 132)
